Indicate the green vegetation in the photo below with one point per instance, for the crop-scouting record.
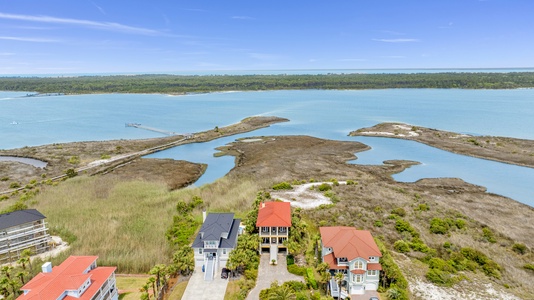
(282, 186)
(194, 84)
(519, 248)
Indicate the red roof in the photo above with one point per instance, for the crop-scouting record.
(374, 267)
(331, 261)
(68, 276)
(274, 214)
(358, 271)
(349, 242)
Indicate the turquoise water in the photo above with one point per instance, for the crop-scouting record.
(324, 114)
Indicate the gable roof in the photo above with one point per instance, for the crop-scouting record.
(68, 276)
(19, 217)
(349, 242)
(218, 227)
(274, 213)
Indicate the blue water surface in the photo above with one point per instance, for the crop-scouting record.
(319, 113)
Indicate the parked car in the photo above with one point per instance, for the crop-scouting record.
(374, 298)
(224, 273)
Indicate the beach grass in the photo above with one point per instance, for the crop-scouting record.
(124, 222)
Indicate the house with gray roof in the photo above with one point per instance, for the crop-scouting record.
(216, 238)
(20, 230)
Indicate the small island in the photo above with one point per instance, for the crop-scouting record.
(502, 149)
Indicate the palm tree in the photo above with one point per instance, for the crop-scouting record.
(144, 290)
(339, 278)
(23, 261)
(184, 260)
(152, 281)
(6, 270)
(21, 276)
(158, 270)
(282, 292)
(4, 284)
(27, 253)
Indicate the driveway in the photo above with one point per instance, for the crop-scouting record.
(268, 273)
(199, 289)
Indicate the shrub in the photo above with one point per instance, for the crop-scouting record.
(74, 160)
(489, 267)
(324, 187)
(439, 277)
(378, 223)
(447, 245)
(460, 223)
(401, 246)
(488, 235)
(296, 269)
(71, 173)
(5, 178)
(290, 260)
(351, 182)
(251, 274)
(519, 248)
(529, 267)
(105, 156)
(282, 186)
(440, 264)
(422, 207)
(399, 211)
(14, 185)
(404, 226)
(439, 226)
(310, 278)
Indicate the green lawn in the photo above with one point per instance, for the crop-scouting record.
(131, 286)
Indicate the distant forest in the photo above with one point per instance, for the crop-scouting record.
(177, 84)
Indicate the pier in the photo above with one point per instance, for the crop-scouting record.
(137, 125)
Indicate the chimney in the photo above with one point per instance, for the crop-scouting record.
(203, 215)
(47, 267)
(262, 204)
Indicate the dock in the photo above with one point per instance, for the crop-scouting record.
(137, 125)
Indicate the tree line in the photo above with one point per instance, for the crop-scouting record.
(178, 84)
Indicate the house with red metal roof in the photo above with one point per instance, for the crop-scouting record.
(274, 221)
(355, 254)
(78, 277)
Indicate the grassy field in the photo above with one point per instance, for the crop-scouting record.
(178, 291)
(124, 222)
(130, 286)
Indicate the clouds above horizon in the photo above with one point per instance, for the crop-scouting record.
(109, 26)
(396, 40)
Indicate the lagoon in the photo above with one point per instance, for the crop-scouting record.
(319, 113)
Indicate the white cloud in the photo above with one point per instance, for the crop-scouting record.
(27, 39)
(109, 26)
(242, 18)
(102, 11)
(396, 40)
(352, 59)
(264, 56)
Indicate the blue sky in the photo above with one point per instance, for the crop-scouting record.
(97, 36)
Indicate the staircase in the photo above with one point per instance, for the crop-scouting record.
(210, 268)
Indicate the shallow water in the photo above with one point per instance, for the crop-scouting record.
(319, 113)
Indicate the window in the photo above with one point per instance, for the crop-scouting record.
(358, 265)
(273, 230)
(357, 278)
(224, 250)
(265, 229)
(372, 273)
(200, 251)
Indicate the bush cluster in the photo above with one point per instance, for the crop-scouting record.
(282, 186)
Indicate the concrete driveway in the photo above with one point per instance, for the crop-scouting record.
(198, 289)
(268, 273)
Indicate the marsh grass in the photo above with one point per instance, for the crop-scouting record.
(124, 222)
